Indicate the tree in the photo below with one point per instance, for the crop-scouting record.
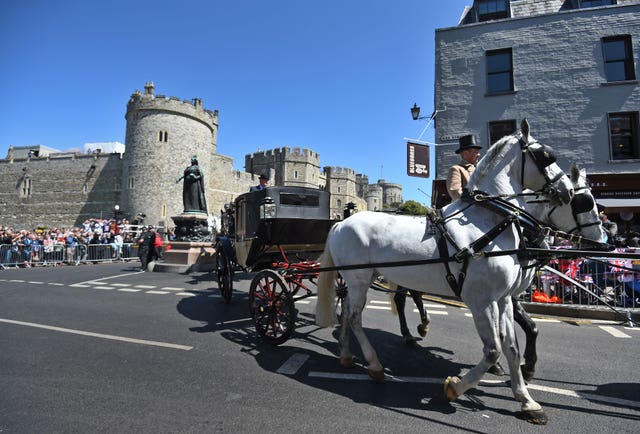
(411, 207)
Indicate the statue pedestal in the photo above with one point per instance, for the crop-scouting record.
(192, 250)
(187, 257)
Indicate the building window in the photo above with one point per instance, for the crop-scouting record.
(295, 174)
(25, 187)
(164, 210)
(499, 129)
(131, 182)
(618, 58)
(623, 136)
(338, 189)
(492, 9)
(499, 71)
(595, 3)
(163, 136)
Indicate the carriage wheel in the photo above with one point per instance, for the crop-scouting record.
(341, 294)
(272, 307)
(225, 274)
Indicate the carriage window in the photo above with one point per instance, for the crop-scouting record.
(300, 199)
(618, 58)
(499, 129)
(623, 135)
(499, 71)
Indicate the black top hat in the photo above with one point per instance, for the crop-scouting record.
(467, 142)
(264, 176)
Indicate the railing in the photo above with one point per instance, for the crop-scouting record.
(57, 254)
(615, 282)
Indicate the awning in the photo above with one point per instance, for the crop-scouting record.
(623, 204)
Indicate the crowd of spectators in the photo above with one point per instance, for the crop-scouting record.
(24, 247)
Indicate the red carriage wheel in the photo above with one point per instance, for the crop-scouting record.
(225, 274)
(272, 307)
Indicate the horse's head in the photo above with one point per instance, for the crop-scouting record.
(539, 171)
(519, 162)
(581, 215)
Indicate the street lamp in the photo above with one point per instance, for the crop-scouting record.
(415, 112)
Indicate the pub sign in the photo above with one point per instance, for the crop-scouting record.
(417, 160)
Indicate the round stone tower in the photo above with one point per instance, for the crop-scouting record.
(161, 137)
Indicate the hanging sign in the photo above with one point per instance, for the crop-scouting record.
(417, 160)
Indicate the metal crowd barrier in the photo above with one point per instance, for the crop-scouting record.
(16, 256)
(615, 282)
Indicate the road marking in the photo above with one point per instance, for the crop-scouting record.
(234, 321)
(156, 292)
(55, 284)
(614, 332)
(129, 290)
(437, 306)
(144, 286)
(185, 294)
(121, 284)
(379, 302)
(79, 285)
(98, 281)
(169, 288)
(17, 280)
(303, 302)
(108, 288)
(379, 307)
(99, 335)
(293, 364)
(36, 283)
(434, 312)
(554, 390)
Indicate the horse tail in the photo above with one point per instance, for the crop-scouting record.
(326, 304)
(393, 289)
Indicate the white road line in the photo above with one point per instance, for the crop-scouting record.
(614, 332)
(434, 312)
(98, 281)
(156, 292)
(554, 390)
(36, 283)
(129, 290)
(470, 315)
(432, 305)
(145, 286)
(99, 335)
(169, 288)
(55, 284)
(120, 284)
(303, 302)
(379, 302)
(293, 364)
(379, 307)
(108, 288)
(546, 320)
(234, 321)
(17, 280)
(80, 285)
(185, 294)
(632, 328)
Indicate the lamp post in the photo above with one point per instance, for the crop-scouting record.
(415, 112)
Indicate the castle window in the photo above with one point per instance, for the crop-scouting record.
(25, 187)
(338, 189)
(163, 136)
(295, 174)
(131, 182)
(164, 210)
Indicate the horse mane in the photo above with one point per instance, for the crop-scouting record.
(491, 158)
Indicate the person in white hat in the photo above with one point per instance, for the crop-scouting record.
(459, 174)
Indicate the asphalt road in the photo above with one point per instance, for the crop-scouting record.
(104, 348)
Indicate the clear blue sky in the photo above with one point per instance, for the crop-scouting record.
(336, 76)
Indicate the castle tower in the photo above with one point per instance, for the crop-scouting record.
(297, 167)
(161, 137)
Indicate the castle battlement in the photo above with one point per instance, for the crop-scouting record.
(286, 153)
(174, 105)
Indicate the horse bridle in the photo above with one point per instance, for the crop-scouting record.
(543, 157)
(580, 204)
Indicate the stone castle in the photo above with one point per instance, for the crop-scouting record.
(41, 186)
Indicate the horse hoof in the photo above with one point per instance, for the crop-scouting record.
(423, 330)
(449, 389)
(496, 369)
(376, 376)
(347, 362)
(537, 417)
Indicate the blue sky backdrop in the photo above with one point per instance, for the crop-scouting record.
(335, 76)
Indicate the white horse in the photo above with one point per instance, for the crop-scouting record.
(512, 164)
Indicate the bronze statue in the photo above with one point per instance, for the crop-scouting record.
(193, 198)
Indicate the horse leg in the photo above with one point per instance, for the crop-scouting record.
(531, 332)
(423, 327)
(531, 410)
(487, 325)
(400, 299)
(346, 358)
(357, 300)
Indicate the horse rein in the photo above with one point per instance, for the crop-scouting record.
(542, 158)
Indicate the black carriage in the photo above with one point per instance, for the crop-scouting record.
(278, 232)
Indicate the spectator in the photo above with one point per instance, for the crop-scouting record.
(611, 228)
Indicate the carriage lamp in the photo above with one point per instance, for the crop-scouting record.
(267, 208)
